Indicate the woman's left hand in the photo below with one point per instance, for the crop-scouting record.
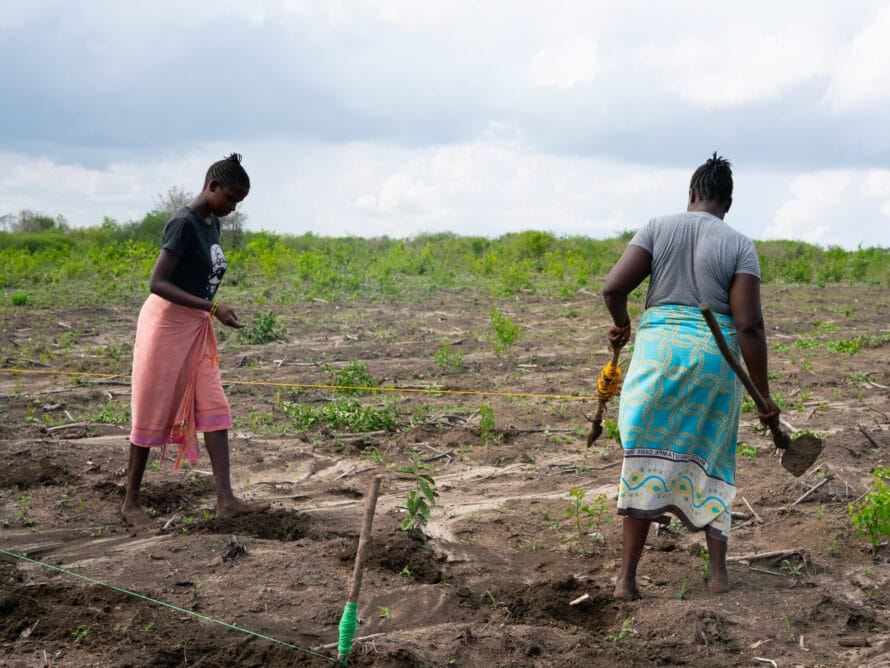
(227, 317)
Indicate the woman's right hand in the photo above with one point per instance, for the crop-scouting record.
(770, 419)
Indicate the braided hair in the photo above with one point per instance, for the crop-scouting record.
(228, 172)
(713, 180)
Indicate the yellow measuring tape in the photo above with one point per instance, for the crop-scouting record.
(319, 386)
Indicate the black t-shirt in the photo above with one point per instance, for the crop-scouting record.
(201, 259)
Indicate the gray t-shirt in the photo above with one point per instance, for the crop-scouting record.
(694, 258)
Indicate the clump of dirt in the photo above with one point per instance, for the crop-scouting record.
(542, 602)
(24, 471)
(109, 491)
(170, 497)
(403, 553)
(283, 525)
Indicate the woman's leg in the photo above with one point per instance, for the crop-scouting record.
(718, 576)
(634, 538)
(217, 444)
(132, 511)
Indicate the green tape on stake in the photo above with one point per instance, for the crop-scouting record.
(348, 625)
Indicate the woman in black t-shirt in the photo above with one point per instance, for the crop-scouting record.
(177, 389)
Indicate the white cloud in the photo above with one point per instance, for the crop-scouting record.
(861, 77)
(744, 65)
(565, 64)
(834, 207)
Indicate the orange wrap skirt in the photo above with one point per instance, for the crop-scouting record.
(177, 388)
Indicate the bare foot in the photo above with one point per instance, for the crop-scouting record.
(136, 517)
(625, 591)
(718, 581)
(237, 508)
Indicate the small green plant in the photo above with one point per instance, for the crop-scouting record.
(197, 586)
(81, 632)
(422, 498)
(791, 635)
(682, 593)
(674, 527)
(744, 450)
(351, 380)
(487, 426)
(20, 299)
(624, 632)
(384, 612)
(113, 412)
(612, 431)
(405, 572)
(492, 601)
(263, 328)
(372, 454)
(149, 626)
(586, 519)
(834, 546)
(705, 563)
(794, 570)
(871, 516)
(449, 360)
(805, 432)
(505, 331)
(24, 505)
(529, 544)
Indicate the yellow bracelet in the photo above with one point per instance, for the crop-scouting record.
(213, 307)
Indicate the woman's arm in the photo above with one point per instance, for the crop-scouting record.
(744, 304)
(631, 270)
(162, 285)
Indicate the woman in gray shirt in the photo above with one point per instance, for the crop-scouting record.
(680, 403)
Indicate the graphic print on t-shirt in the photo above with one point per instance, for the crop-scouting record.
(218, 266)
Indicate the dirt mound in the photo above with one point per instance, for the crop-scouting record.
(283, 525)
(22, 470)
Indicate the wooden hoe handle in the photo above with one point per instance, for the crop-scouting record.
(779, 437)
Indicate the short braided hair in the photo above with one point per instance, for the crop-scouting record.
(228, 172)
(713, 180)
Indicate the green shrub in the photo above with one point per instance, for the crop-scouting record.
(449, 360)
(263, 328)
(353, 380)
(871, 516)
(346, 414)
(505, 331)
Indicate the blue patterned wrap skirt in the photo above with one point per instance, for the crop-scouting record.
(678, 418)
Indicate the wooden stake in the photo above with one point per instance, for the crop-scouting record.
(361, 554)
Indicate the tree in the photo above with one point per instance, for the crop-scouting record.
(29, 222)
(231, 227)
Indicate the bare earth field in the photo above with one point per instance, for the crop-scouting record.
(493, 584)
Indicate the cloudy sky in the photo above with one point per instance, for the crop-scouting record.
(400, 117)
